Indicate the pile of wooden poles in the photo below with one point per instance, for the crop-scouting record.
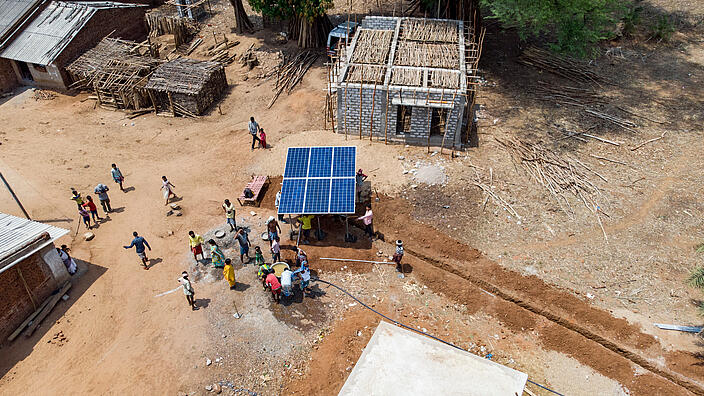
(291, 71)
(568, 68)
(159, 25)
(585, 98)
(557, 174)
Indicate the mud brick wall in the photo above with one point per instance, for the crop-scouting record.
(8, 78)
(349, 117)
(15, 304)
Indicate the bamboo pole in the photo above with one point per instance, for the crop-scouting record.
(371, 120)
(430, 114)
(345, 116)
(360, 107)
(447, 122)
(386, 126)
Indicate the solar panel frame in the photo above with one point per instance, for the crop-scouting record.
(328, 184)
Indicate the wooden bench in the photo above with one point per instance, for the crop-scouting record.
(256, 185)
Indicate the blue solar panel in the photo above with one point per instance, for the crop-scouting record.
(297, 162)
(319, 180)
(292, 193)
(320, 162)
(344, 161)
(342, 195)
(317, 196)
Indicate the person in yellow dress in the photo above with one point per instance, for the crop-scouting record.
(228, 272)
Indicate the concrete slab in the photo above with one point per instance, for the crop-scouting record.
(400, 362)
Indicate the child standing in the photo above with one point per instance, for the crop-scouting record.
(93, 209)
(228, 272)
(85, 215)
(276, 250)
(398, 255)
(258, 256)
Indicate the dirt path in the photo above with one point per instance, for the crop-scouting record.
(575, 325)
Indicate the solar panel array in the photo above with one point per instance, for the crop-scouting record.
(319, 180)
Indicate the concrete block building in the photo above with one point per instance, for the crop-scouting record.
(407, 79)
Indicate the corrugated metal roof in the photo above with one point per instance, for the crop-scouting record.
(16, 232)
(11, 11)
(50, 32)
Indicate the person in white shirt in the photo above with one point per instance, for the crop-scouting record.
(188, 290)
(253, 130)
(287, 282)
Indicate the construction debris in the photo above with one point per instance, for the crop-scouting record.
(291, 71)
(116, 71)
(40, 94)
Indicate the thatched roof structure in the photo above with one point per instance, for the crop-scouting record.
(183, 76)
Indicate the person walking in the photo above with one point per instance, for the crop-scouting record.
(244, 242)
(276, 250)
(139, 243)
(117, 176)
(367, 220)
(92, 208)
(168, 189)
(273, 229)
(253, 129)
(398, 255)
(230, 214)
(217, 257)
(188, 290)
(306, 226)
(262, 138)
(228, 272)
(102, 191)
(195, 242)
(85, 216)
(76, 197)
(67, 259)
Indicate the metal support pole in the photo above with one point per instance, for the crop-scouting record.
(14, 196)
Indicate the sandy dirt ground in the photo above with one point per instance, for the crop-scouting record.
(544, 293)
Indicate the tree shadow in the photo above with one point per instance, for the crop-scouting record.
(64, 220)
(22, 346)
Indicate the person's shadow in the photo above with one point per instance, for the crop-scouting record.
(153, 262)
(128, 189)
(239, 286)
(202, 302)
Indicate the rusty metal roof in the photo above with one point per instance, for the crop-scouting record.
(13, 12)
(42, 41)
(16, 232)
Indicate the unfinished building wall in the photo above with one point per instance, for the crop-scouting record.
(379, 22)
(350, 118)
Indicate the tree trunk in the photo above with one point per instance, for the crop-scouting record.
(242, 22)
(463, 10)
(310, 34)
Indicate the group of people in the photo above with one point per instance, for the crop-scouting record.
(87, 208)
(270, 282)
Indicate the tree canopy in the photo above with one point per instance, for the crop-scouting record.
(572, 26)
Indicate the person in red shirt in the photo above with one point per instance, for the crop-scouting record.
(262, 138)
(92, 208)
(274, 285)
